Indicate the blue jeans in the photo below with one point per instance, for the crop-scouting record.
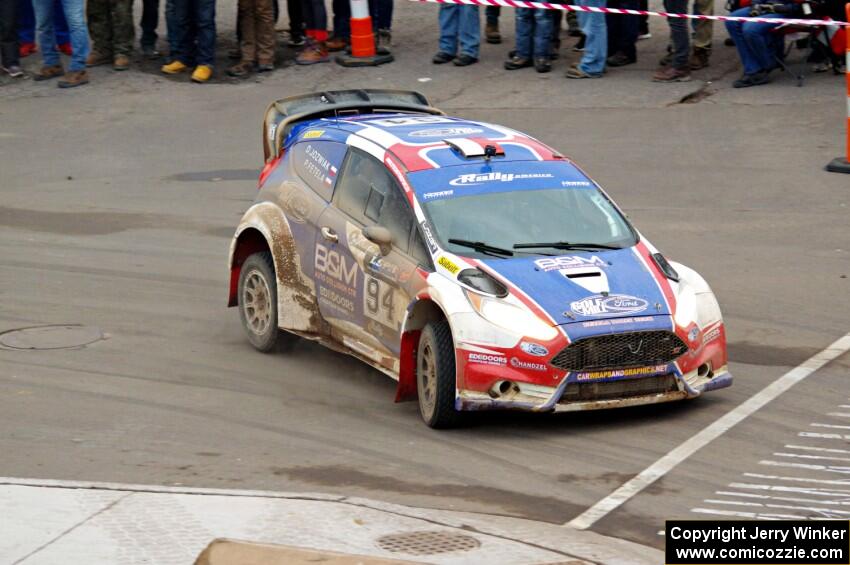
(596, 42)
(459, 24)
(26, 23)
(755, 45)
(194, 31)
(533, 33)
(75, 15)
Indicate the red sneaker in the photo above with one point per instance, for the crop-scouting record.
(64, 48)
(27, 49)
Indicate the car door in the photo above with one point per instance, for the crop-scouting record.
(362, 293)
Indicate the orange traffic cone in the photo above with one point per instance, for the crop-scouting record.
(363, 52)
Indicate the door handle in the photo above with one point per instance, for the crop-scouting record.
(329, 234)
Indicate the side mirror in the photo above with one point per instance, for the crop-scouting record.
(380, 236)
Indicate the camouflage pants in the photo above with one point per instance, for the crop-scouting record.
(256, 27)
(111, 26)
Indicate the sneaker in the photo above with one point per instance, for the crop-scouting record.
(579, 47)
(46, 73)
(517, 62)
(240, 70)
(671, 74)
(27, 49)
(576, 72)
(265, 67)
(464, 60)
(699, 58)
(65, 48)
(202, 74)
(121, 63)
(97, 58)
(542, 64)
(150, 53)
(755, 79)
(14, 71)
(314, 52)
(491, 33)
(336, 44)
(442, 57)
(620, 59)
(74, 78)
(646, 35)
(174, 67)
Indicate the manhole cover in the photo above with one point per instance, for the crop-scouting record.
(66, 336)
(427, 543)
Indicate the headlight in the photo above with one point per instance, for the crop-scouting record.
(510, 317)
(699, 307)
(708, 310)
(482, 282)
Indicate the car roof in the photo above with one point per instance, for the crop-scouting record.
(418, 141)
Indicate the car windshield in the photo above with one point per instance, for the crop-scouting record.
(553, 218)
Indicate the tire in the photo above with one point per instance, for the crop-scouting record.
(257, 294)
(436, 382)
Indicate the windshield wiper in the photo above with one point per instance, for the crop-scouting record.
(564, 245)
(482, 247)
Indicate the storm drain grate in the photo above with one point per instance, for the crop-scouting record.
(427, 543)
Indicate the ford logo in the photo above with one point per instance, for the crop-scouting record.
(613, 305)
(534, 349)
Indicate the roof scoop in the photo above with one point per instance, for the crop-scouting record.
(473, 148)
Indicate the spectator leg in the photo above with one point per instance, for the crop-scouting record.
(75, 16)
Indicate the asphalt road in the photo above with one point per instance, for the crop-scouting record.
(118, 200)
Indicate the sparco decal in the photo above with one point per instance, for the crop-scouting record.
(613, 305)
(486, 359)
(334, 265)
(534, 349)
(568, 262)
(472, 179)
(429, 237)
(445, 132)
(520, 364)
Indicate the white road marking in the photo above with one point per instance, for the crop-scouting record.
(840, 482)
(823, 511)
(783, 498)
(838, 414)
(754, 515)
(803, 456)
(844, 405)
(824, 436)
(814, 491)
(833, 426)
(823, 449)
(826, 468)
(708, 434)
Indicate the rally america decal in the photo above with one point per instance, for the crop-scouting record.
(473, 179)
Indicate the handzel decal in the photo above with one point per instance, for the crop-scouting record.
(487, 359)
(448, 264)
(445, 132)
(614, 373)
(711, 335)
(613, 305)
(520, 364)
(568, 262)
(473, 179)
(534, 349)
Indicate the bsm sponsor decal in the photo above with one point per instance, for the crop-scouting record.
(614, 373)
(473, 179)
(613, 305)
(568, 262)
(333, 265)
(520, 364)
(488, 359)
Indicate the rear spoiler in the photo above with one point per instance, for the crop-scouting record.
(283, 114)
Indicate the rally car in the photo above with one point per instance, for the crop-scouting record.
(478, 267)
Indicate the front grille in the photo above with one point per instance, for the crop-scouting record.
(620, 351)
(626, 388)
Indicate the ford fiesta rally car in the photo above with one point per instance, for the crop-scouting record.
(478, 267)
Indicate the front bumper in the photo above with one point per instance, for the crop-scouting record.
(547, 399)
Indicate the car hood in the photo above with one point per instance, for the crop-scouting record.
(590, 289)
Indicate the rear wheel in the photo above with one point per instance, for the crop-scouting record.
(436, 382)
(258, 304)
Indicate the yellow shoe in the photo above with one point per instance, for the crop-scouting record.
(202, 73)
(173, 68)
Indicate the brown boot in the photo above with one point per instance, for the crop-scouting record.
(121, 63)
(491, 33)
(46, 73)
(336, 44)
(74, 78)
(240, 70)
(699, 58)
(315, 52)
(96, 58)
(671, 74)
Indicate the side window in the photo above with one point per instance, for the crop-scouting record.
(367, 193)
(418, 251)
(317, 162)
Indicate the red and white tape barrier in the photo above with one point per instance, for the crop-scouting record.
(572, 8)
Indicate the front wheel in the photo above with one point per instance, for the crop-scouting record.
(258, 304)
(436, 381)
